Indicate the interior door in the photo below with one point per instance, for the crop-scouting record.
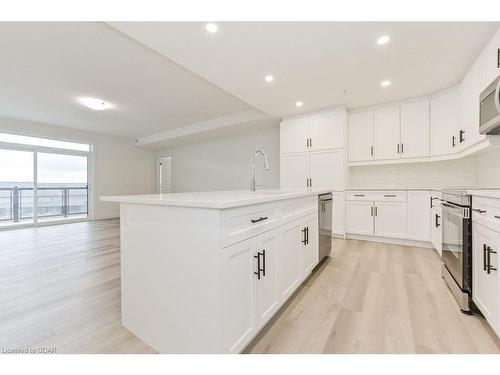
(327, 131)
(387, 133)
(165, 175)
(238, 294)
(288, 259)
(294, 170)
(415, 123)
(326, 168)
(485, 286)
(361, 136)
(266, 288)
(390, 219)
(359, 217)
(310, 251)
(294, 135)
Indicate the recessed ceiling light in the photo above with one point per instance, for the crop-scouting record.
(385, 83)
(299, 104)
(95, 104)
(269, 78)
(383, 40)
(211, 27)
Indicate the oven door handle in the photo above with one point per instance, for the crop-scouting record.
(497, 96)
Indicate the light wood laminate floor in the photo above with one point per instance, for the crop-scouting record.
(60, 287)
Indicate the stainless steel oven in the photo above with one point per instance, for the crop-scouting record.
(457, 246)
(489, 109)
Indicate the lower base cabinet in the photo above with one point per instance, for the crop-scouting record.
(390, 219)
(261, 273)
(360, 217)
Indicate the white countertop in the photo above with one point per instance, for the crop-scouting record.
(489, 193)
(214, 199)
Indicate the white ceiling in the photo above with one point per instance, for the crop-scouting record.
(44, 67)
(316, 61)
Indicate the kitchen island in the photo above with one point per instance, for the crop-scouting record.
(204, 272)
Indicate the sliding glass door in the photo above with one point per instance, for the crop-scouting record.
(16, 187)
(62, 191)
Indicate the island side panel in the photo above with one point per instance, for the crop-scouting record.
(171, 277)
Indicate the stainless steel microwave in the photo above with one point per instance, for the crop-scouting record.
(489, 109)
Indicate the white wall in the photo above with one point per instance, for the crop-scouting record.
(223, 163)
(118, 166)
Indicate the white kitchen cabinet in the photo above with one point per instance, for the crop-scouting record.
(390, 219)
(386, 133)
(360, 217)
(361, 128)
(294, 170)
(266, 288)
(486, 288)
(338, 214)
(492, 58)
(309, 253)
(294, 135)
(445, 122)
(289, 264)
(238, 295)
(415, 131)
(419, 215)
(436, 228)
(326, 168)
(327, 131)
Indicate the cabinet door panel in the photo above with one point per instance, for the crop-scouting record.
(267, 286)
(415, 131)
(486, 290)
(326, 168)
(288, 259)
(359, 217)
(444, 122)
(238, 295)
(294, 170)
(294, 135)
(387, 133)
(360, 136)
(390, 219)
(419, 215)
(492, 59)
(327, 131)
(310, 251)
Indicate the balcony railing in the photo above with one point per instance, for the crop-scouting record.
(16, 203)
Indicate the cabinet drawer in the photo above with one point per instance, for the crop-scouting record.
(241, 223)
(296, 208)
(379, 196)
(486, 211)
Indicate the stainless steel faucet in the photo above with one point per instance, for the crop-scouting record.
(252, 183)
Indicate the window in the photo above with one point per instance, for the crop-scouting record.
(43, 142)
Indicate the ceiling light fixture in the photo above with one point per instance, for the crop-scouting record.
(211, 27)
(269, 78)
(95, 104)
(383, 40)
(385, 83)
(299, 104)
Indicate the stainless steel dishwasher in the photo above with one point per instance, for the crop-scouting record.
(325, 212)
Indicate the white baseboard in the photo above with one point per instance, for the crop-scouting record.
(106, 217)
(393, 241)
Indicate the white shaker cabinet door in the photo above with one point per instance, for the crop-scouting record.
(492, 59)
(415, 137)
(310, 251)
(294, 135)
(288, 259)
(326, 168)
(445, 125)
(294, 170)
(387, 133)
(360, 136)
(327, 131)
(266, 287)
(390, 219)
(419, 215)
(238, 295)
(359, 217)
(486, 290)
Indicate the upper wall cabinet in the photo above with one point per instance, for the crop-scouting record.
(444, 122)
(294, 136)
(387, 133)
(415, 122)
(361, 136)
(326, 131)
(493, 58)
